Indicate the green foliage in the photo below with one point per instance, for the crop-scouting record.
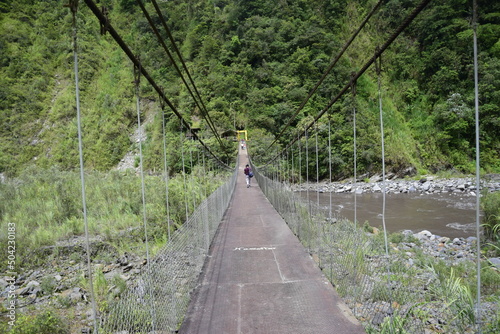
(490, 204)
(458, 298)
(47, 322)
(367, 227)
(258, 146)
(100, 287)
(48, 285)
(45, 206)
(394, 324)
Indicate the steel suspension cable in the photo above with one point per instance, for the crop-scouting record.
(378, 66)
(176, 49)
(353, 91)
(186, 201)
(300, 175)
(137, 77)
(317, 165)
(478, 195)
(307, 171)
(330, 165)
(109, 28)
(165, 165)
(379, 52)
(286, 173)
(73, 5)
(292, 180)
(329, 69)
(317, 199)
(191, 166)
(378, 69)
(330, 221)
(174, 63)
(207, 227)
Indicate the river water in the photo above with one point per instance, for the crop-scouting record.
(446, 215)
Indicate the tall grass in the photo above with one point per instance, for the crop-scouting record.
(46, 206)
(490, 203)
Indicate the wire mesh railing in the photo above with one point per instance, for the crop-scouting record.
(401, 292)
(158, 300)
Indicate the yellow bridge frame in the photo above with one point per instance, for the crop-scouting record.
(239, 135)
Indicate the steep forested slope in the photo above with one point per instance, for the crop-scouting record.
(254, 62)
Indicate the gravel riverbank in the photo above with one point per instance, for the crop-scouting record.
(429, 185)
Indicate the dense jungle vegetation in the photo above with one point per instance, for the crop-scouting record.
(254, 63)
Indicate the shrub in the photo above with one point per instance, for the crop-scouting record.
(396, 238)
(490, 203)
(47, 322)
(367, 227)
(48, 285)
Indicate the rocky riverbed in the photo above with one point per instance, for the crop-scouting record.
(61, 283)
(429, 185)
(453, 251)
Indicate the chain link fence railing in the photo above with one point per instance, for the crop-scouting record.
(389, 291)
(158, 301)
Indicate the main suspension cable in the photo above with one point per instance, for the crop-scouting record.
(378, 53)
(176, 49)
(356, 76)
(174, 63)
(109, 28)
(328, 70)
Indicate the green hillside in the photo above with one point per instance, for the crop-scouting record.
(253, 62)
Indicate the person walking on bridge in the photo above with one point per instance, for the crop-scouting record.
(248, 174)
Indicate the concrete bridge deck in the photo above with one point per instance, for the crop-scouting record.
(260, 279)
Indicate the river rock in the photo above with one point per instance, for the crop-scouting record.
(74, 294)
(423, 235)
(444, 240)
(427, 184)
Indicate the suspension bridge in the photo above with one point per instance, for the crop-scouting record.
(260, 279)
(261, 260)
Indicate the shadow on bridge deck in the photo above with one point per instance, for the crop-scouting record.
(258, 278)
